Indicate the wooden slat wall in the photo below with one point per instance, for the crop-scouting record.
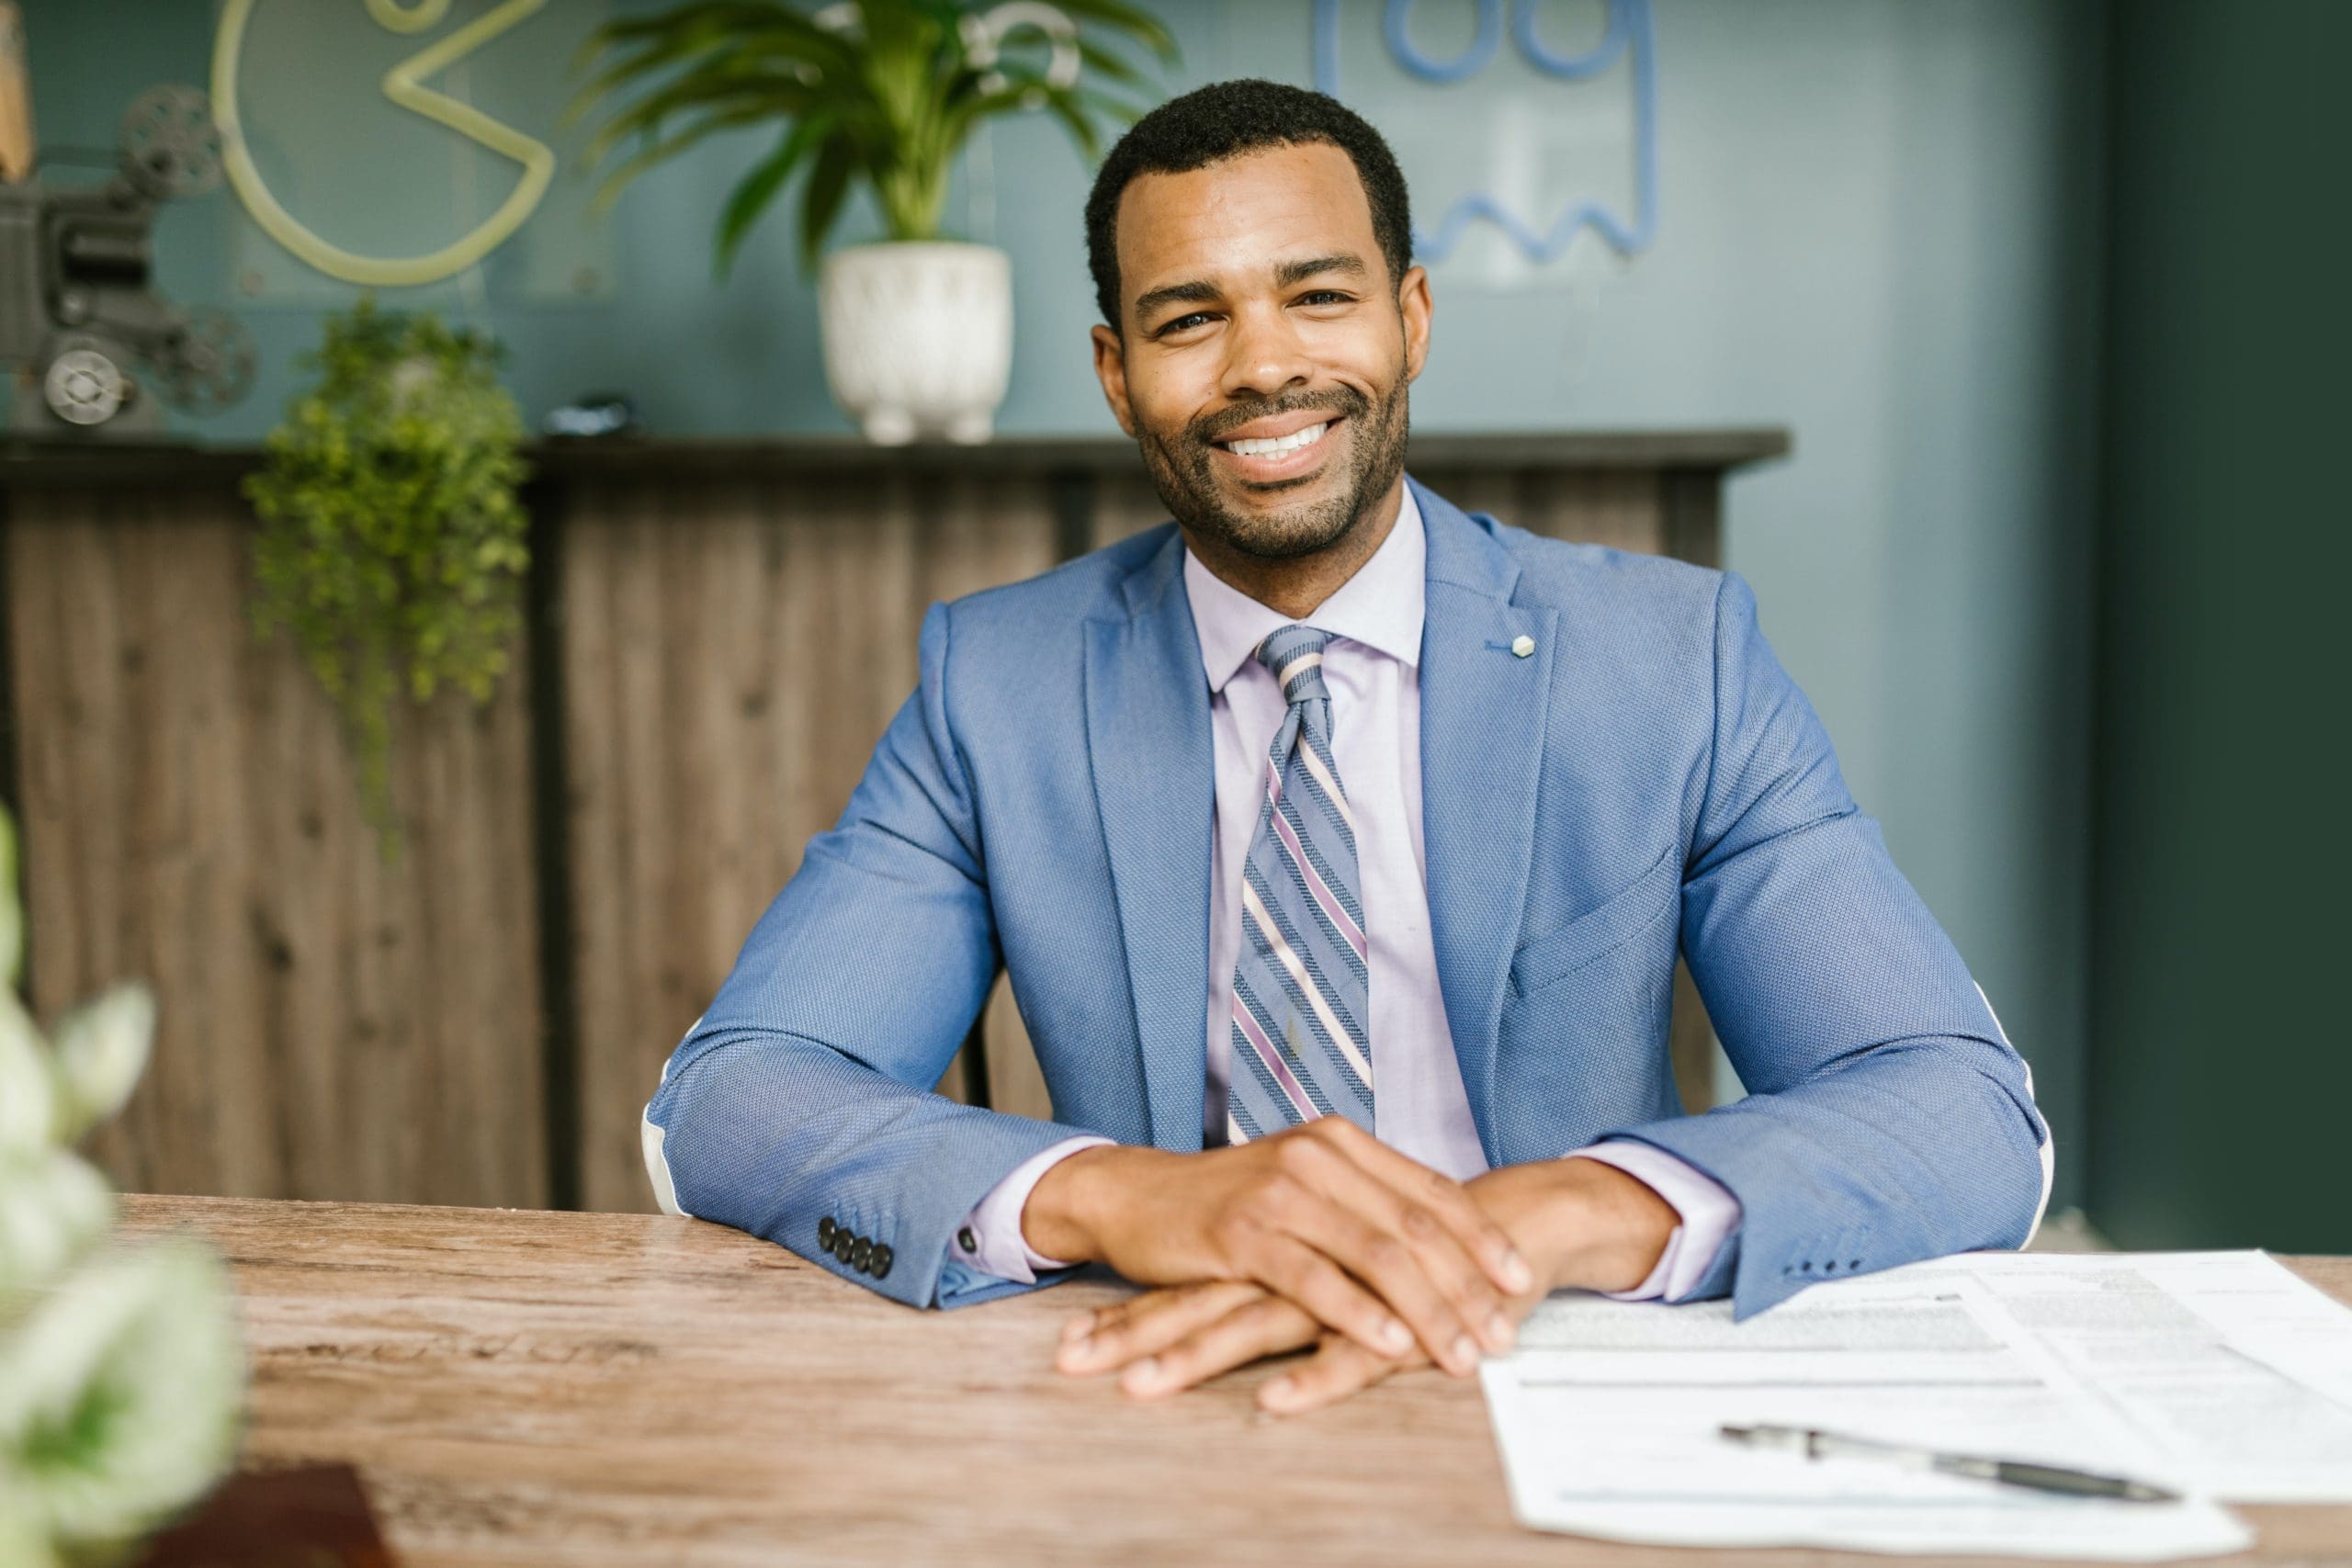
(721, 646)
(731, 654)
(331, 1026)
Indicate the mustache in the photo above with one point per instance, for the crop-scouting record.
(1343, 401)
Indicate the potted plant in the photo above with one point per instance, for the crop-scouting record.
(878, 94)
(392, 545)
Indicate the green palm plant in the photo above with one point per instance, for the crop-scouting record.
(879, 92)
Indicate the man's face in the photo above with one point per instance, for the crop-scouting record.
(1257, 310)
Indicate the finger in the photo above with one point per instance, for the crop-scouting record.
(1388, 1264)
(1315, 1282)
(1267, 1326)
(1131, 1309)
(1116, 1334)
(1087, 1324)
(1441, 1256)
(1337, 1368)
(1445, 1198)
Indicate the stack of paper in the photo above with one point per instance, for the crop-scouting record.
(2220, 1375)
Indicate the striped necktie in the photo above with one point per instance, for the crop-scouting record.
(1300, 989)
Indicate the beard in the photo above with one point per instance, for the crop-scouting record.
(1181, 464)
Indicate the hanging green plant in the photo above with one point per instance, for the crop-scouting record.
(392, 546)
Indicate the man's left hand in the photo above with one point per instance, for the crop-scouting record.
(1579, 1224)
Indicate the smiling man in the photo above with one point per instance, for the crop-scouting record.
(1339, 846)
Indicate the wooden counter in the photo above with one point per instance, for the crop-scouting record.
(717, 632)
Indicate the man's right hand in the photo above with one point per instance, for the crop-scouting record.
(1380, 1248)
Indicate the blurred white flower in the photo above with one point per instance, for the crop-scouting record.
(101, 1049)
(53, 1208)
(23, 1543)
(119, 1396)
(28, 1096)
(122, 1379)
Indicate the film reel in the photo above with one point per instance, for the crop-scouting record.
(171, 148)
(84, 386)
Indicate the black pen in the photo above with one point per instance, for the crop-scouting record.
(2007, 1471)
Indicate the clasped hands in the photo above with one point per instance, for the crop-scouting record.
(1321, 1236)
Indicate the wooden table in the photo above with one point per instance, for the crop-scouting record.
(520, 1387)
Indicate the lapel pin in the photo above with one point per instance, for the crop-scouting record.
(1522, 645)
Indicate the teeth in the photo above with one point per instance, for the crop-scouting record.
(1279, 444)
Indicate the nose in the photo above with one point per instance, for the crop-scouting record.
(1265, 357)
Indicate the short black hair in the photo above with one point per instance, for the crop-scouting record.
(1223, 120)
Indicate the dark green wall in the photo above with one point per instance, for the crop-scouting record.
(2221, 1060)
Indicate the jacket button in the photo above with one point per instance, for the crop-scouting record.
(842, 1240)
(965, 1239)
(825, 1232)
(861, 1255)
(881, 1261)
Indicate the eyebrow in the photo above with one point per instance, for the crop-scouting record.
(1285, 274)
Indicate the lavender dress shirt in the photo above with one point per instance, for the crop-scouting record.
(1372, 669)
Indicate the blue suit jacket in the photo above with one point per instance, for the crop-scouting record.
(1649, 780)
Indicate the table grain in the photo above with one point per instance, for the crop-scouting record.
(520, 1387)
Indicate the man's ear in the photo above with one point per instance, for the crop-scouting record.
(1110, 370)
(1413, 306)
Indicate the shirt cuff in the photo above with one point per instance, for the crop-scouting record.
(990, 1239)
(1709, 1211)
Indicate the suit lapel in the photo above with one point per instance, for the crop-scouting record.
(1155, 787)
(1483, 716)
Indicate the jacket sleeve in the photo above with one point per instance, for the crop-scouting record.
(1887, 1119)
(798, 1108)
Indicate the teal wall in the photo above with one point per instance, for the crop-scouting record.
(2221, 1059)
(1878, 226)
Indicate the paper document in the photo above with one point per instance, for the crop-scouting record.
(2236, 1371)
(2215, 1374)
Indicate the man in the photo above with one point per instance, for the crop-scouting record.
(1420, 806)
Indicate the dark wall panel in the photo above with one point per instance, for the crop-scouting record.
(2222, 1061)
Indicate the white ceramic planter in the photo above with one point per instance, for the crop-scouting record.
(918, 337)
